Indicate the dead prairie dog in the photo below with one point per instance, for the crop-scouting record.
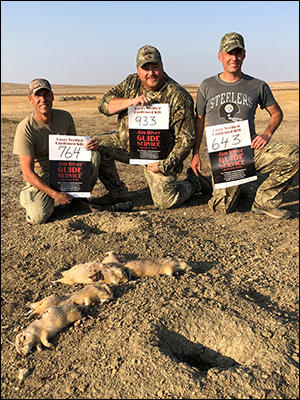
(80, 273)
(52, 320)
(92, 272)
(89, 295)
(112, 258)
(38, 307)
(110, 274)
(155, 266)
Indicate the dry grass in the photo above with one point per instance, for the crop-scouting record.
(15, 106)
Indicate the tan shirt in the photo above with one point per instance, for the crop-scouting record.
(32, 137)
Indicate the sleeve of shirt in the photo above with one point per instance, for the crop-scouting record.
(121, 91)
(266, 98)
(23, 143)
(183, 129)
(200, 101)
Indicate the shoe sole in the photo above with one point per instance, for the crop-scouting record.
(263, 212)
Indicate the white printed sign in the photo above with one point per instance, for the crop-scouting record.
(155, 116)
(70, 165)
(230, 153)
(148, 133)
(227, 136)
(63, 147)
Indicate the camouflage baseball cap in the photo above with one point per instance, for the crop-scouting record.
(148, 54)
(231, 41)
(38, 84)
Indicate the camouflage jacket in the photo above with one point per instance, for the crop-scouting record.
(182, 132)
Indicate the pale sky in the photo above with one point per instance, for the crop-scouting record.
(95, 42)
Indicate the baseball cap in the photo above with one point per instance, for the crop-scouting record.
(37, 84)
(231, 41)
(148, 54)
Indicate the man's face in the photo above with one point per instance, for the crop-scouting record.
(41, 101)
(151, 75)
(232, 62)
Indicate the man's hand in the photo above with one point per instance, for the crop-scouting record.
(260, 141)
(196, 164)
(142, 100)
(153, 167)
(63, 197)
(117, 105)
(92, 144)
(27, 167)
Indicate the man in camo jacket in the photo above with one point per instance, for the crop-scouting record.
(242, 94)
(148, 86)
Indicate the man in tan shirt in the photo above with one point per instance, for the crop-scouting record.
(31, 144)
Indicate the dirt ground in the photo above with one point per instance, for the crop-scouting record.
(227, 329)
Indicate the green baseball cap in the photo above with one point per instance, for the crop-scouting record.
(231, 41)
(37, 84)
(147, 54)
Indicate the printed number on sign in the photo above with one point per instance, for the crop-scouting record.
(145, 120)
(67, 153)
(225, 142)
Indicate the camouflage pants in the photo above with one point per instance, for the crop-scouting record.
(166, 192)
(281, 161)
(38, 205)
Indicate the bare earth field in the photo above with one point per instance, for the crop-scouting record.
(227, 329)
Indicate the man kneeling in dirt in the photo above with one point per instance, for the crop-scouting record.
(31, 143)
(149, 85)
(231, 92)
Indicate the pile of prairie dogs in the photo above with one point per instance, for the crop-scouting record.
(57, 312)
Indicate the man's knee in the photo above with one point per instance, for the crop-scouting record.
(224, 201)
(39, 207)
(290, 165)
(163, 189)
(162, 205)
(164, 200)
(95, 159)
(39, 217)
(294, 157)
(219, 208)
